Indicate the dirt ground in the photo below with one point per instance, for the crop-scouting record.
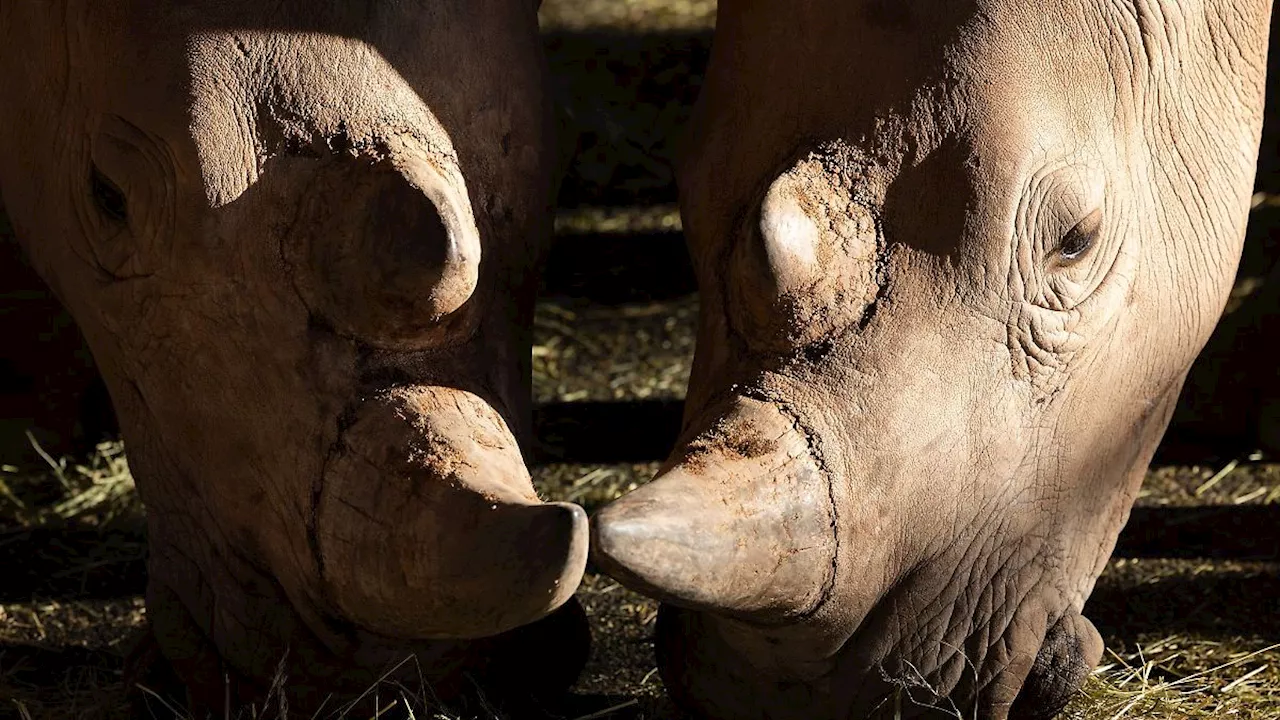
(1189, 606)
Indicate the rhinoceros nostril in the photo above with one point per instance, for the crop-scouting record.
(1070, 650)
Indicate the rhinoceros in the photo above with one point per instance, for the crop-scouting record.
(955, 259)
(301, 239)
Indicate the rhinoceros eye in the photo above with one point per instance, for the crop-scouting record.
(108, 198)
(1079, 239)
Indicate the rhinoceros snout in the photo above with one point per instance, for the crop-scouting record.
(427, 526)
(742, 524)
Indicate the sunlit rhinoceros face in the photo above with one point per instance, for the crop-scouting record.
(955, 259)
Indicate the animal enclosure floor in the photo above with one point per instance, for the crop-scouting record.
(1188, 636)
(1189, 607)
(1190, 626)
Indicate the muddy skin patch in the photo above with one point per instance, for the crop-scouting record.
(816, 243)
(730, 440)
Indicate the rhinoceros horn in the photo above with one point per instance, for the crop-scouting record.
(740, 523)
(447, 540)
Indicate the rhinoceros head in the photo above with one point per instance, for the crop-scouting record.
(300, 238)
(956, 258)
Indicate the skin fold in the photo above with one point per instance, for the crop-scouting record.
(301, 240)
(956, 258)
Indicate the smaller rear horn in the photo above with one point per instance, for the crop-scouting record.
(394, 252)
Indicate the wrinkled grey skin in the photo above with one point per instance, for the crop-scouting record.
(301, 240)
(956, 258)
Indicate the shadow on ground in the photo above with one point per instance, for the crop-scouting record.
(1163, 597)
(74, 562)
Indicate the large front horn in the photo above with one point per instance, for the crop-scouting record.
(742, 524)
(428, 526)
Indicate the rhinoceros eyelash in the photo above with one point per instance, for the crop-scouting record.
(108, 198)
